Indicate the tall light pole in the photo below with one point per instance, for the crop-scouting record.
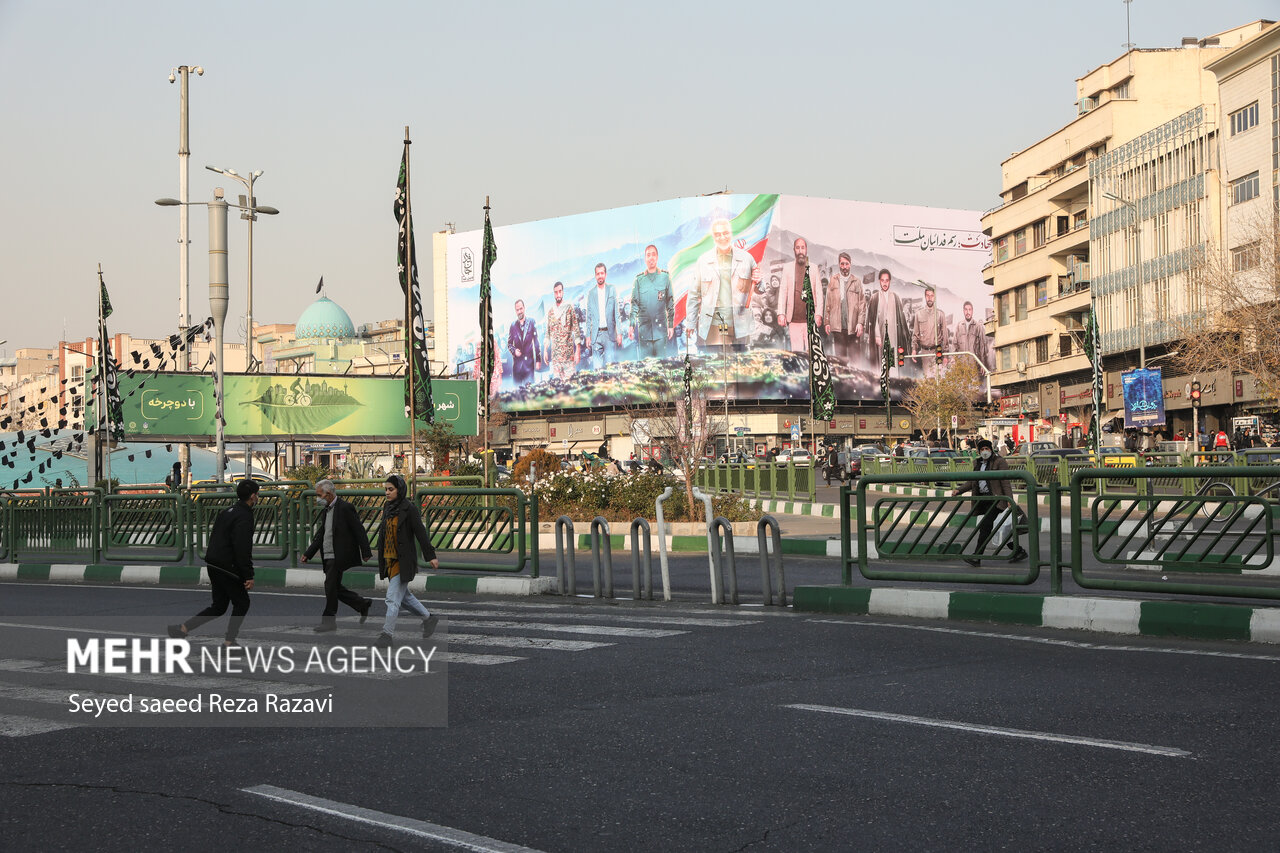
(184, 222)
(218, 306)
(249, 210)
(1137, 250)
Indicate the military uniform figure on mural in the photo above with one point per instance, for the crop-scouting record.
(652, 309)
(563, 345)
(970, 336)
(928, 331)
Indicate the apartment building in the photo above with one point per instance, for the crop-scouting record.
(1044, 237)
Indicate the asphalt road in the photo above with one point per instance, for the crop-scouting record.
(665, 727)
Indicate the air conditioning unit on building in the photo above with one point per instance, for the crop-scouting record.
(1022, 367)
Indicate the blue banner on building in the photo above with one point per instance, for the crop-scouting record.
(1143, 397)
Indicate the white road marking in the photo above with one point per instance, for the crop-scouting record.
(976, 728)
(525, 642)
(603, 630)
(1051, 641)
(446, 835)
(610, 617)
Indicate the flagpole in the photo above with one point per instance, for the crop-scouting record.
(102, 382)
(484, 383)
(408, 322)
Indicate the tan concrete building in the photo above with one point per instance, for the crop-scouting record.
(1163, 105)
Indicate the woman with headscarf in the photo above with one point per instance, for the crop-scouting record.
(399, 534)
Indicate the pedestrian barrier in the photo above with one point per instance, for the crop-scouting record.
(566, 568)
(1180, 530)
(55, 522)
(662, 542)
(722, 556)
(760, 479)
(486, 522)
(144, 527)
(927, 530)
(640, 534)
(770, 524)
(599, 542)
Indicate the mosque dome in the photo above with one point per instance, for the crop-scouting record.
(324, 319)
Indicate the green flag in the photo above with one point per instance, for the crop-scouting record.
(106, 301)
(821, 390)
(486, 313)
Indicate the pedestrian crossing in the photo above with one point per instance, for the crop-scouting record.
(34, 692)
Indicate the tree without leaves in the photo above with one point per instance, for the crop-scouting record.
(680, 438)
(956, 390)
(1239, 328)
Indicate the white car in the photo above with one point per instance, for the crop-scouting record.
(795, 457)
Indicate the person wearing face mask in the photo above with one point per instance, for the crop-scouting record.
(986, 493)
(399, 535)
(342, 542)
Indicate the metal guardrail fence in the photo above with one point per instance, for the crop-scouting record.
(174, 527)
(1174, 529)
(770, 480)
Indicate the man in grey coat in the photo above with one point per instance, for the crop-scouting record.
(986, 494)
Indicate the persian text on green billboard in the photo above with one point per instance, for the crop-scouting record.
(302, 406)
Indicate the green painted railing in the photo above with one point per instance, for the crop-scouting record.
(768, 480)
(174, 527)
(1186, 524)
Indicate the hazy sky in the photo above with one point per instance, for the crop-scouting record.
(550, 108)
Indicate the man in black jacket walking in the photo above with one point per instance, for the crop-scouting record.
(229, 561)
(342, 543)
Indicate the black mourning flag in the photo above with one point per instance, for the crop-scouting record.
(417, 392)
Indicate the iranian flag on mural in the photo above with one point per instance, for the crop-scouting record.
(750, 232)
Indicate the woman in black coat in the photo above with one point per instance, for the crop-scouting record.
(399, 534)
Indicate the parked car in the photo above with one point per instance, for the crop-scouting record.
(860, 453)
(1032, 448)
(1117, 457)
(796, 457)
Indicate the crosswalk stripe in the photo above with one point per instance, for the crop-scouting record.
(525, 642)
(249, 685)
(602, 630)
(302, 651)
(16, 725)
(611, 617)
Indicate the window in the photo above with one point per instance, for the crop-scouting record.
(1002, 301)
(1161, 227)
(1022, 353)
(1081, 219)
(1042, 291)
(1006, 358)
(1243, 118)
(1002, 249)
(1244, 189)
(1042, 350)
(1020, 305)
(1020, 242)
(1246, 257)
(1039, 233)
(1121, 91)
(1064, 345)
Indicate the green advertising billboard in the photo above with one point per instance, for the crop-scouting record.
(260, 408)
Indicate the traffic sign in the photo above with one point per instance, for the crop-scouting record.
(795, 432)
(955, 421)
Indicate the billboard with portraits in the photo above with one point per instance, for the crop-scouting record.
(599, 309)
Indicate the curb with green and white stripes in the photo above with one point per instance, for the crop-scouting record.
(1193, 620)
(270, 577)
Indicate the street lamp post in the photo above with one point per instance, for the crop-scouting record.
(218, 289)
(184, 222)
(249, 210)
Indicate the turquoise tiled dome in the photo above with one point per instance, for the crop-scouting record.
(324, 319)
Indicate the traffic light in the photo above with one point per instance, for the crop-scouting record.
(937, 356)
(1195, 395)
(902, 356)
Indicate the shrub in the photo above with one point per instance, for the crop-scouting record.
(310, 473)
(548, 465)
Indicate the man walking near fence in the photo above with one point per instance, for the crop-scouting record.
(986, 501)
(229, 562)
(342, 542)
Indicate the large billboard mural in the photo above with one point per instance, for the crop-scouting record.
(600, 308)
(268, 406)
